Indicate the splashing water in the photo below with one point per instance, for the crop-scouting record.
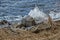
(11, 18)
(55, 16)
(38, 15)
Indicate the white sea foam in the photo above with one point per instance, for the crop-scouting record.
(11, 18)
(38, 15)
(55, 16)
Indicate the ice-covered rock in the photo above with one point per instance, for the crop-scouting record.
(38, 15)
(55, 16)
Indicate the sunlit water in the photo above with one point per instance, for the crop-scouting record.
(12, 10)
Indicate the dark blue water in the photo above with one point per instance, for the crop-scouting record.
(12, 9)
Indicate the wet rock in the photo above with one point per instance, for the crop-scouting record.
(3, 22)
(27, 21)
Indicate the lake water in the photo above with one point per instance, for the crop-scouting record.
(12, 10)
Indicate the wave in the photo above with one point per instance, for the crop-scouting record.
(11, 18)
(38, 15)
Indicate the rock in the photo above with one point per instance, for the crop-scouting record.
(27, 21)
(3, 22)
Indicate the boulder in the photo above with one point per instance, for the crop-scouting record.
(27, 21)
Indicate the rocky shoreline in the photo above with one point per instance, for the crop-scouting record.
(7, 33)
(27, 23)
(28, 29)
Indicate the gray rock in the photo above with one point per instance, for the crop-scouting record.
(27, 21)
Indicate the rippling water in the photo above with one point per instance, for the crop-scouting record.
(12, 10)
